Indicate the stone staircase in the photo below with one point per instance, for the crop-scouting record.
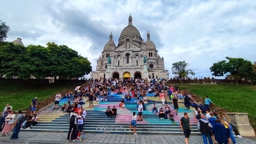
(97, 122)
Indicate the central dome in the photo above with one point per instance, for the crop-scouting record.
(130, 30)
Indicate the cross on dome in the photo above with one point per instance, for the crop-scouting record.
(130, 20)
(148, 35)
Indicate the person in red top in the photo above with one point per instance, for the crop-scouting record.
(162, 97)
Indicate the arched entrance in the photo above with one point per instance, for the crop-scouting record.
(115, 75)
(126, 75)
(137, 75)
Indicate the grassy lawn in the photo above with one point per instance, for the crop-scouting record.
(229, 97)
(20, 94)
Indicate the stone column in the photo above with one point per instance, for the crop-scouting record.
(241, 122)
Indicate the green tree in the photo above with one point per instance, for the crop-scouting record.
(38, 61)
(13, 61)
(3, 31)
(180, 70)
(237, 67)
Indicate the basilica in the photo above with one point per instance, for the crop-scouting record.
(131, 58)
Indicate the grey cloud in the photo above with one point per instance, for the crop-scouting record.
(24, 34)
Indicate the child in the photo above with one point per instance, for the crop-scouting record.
(133, 123)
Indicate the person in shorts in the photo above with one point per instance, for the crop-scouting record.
(133, 123)
(140, 110)
(57, 101)
(185, 126)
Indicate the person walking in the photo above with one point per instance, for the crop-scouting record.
(133, 123)
(72, 126)
(204, 126)
(175, 104)
(17, 125)
(185, 126)
(207, 102)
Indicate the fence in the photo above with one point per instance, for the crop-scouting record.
(207, 81)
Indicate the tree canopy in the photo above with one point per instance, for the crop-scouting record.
(237, 67)
(3, 31)
(180, 70)
(40, 62)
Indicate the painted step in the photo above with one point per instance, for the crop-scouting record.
(113, 132)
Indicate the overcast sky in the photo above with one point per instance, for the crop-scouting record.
(200, 32)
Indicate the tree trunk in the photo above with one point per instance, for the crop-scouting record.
(181, 81)
(236, 80)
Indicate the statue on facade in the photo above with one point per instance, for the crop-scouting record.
(145, 59)
(109, 60)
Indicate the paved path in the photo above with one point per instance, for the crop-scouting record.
(60, 138)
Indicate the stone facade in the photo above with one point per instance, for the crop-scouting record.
(127, 58)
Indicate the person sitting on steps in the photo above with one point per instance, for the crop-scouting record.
(121, 104)
(161, 113)
(114, 111)
(108, 112)
(154, 108)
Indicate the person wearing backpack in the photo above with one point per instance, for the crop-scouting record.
(72, 126)
(17, 125)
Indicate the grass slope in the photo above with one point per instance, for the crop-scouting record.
(20, 94)
(229, 97)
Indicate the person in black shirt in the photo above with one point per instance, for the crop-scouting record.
(175, 104)
(91, 97)
(108, 112)
(114, 111)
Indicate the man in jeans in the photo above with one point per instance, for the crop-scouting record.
(204, 126)
(16, 125)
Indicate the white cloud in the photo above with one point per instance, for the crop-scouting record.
(199, 32)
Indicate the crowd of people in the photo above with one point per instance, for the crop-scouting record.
(213, 127)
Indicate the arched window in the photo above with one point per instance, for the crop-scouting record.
(118, 62)
(127, 58)
(137, 63)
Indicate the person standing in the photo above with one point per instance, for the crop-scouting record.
(57, 101)
(162, 97)
(185, 126)
(4, 115)
(140, 110)
(9, 121)
(207, 102)
(91, 97)
(72, 126)
(175, 104)
(17, 125)
(205, 128)
(133, 123)
(33, 105)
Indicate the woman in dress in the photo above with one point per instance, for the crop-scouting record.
(9, 121)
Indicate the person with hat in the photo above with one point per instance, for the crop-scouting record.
(17, 125)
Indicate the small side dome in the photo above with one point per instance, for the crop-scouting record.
(149, 43)
(110, 45)
(18, 41)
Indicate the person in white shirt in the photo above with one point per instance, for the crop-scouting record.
(57, 101)
(80, 122)
(140, 110)
(207, 114)
(133, 123)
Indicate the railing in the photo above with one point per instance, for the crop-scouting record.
(207, 81)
